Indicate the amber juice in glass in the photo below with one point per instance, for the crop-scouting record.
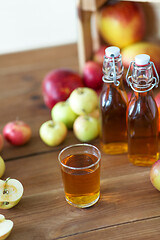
(80, 167)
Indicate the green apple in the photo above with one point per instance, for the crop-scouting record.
(5, 227)
(83, 100)
(2, 167)
(86, 128)
(62, 112)
(53, 133)
(11, 191)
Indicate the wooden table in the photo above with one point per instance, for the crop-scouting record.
(129, 207)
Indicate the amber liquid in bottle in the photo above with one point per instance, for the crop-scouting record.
(143, 129)
(113, 103)
(82, 187)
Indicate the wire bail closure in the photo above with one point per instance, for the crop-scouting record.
(112, 72)
(129, 79)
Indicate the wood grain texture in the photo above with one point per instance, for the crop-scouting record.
(129, 206)
(127, 197)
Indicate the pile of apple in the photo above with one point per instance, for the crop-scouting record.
(80, 112)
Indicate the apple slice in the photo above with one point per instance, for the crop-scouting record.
(11, 191)
(5, 227)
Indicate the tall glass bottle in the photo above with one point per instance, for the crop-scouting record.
(113, 104)
(142, 112)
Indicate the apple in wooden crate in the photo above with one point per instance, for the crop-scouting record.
(122, 23)
(58, 85)
(5, 227)
(17, 132)
(152, 49)
(98, 56)
(11, 191)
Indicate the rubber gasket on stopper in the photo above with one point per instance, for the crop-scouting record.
(142, 59)
(112, 50)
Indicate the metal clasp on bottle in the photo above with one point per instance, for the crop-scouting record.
(112, 72)
(129, 79)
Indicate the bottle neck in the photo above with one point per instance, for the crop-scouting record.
(142, 79)
(112, 70)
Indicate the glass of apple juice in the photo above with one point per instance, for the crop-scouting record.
(80, 167)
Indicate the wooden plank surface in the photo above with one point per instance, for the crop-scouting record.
(21, 76)
(127, 197)
(129, 206)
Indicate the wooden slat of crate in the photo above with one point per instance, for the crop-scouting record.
(87, 8)
(91, 5)
(86, 11)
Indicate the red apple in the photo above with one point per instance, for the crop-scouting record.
(122, 23)
(92, 75)
(58, 85)
(17, 132)
(1, 142)
(99, 54)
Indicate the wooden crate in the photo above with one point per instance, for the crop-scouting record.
(88, 42)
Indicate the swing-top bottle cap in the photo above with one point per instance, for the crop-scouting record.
(112, 51)
(142, 59)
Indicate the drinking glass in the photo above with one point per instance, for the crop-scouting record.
(80, 167)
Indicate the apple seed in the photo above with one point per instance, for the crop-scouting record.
(5, 191)
(5, 203)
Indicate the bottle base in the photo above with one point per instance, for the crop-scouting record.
(114, 148)
(143, 160)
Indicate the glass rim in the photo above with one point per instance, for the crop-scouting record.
(79, 145)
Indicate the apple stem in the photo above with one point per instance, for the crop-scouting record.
(5, 189)
(80, 91)
(5, 203)
(7, 179)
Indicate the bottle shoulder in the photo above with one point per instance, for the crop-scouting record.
(113, 96)
(140, 106)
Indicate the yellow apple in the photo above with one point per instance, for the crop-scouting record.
(2, 167)
(5, 227)
(152, 49)
(122, 23)
(83, 100)
(86, 128)
(11, 191)
(53, 133)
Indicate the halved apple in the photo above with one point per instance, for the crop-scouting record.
(5, 227)
(11, 191)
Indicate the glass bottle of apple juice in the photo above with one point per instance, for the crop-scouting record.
(113, 104)
(142, 111)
